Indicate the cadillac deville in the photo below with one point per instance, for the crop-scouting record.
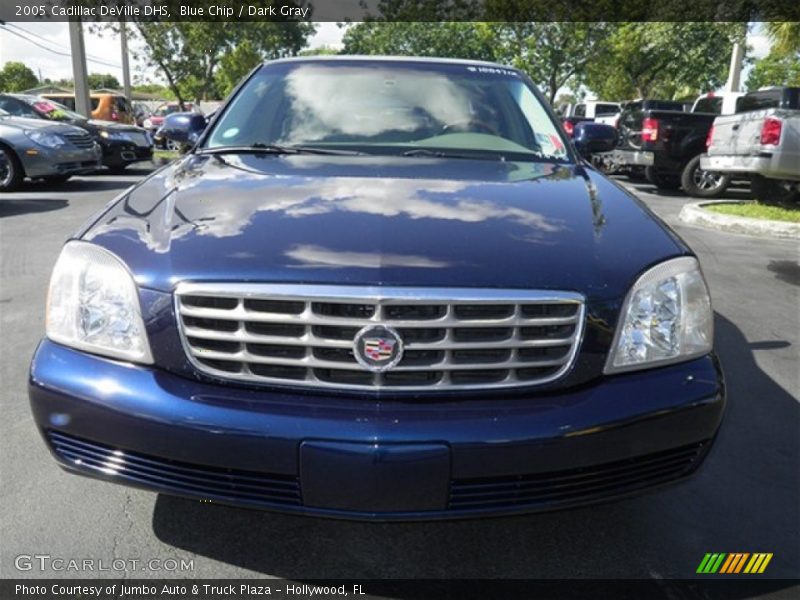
(380, 289)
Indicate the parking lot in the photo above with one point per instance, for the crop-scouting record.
(745, 499)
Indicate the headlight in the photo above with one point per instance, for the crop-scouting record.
(666, 318)
(114, 135)
(48, 140)
(93, 305)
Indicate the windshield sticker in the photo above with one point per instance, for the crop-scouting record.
(493, 70)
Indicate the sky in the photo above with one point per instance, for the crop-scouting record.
(103, 51)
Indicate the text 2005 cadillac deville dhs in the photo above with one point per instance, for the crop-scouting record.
(379, 288)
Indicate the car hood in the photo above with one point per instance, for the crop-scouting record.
(383, 221)
(25, 124)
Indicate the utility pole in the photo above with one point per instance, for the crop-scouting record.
(735, 70)
(82, 103)
(126, 73)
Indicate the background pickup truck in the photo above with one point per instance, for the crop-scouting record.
(595, 110)
(762, 141)
(669, 142)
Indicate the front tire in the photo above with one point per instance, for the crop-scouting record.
(118, 168)
(771, 191)
(636, 174)
(662, 180)
(11, 172)
(703, 184)
(57, 178)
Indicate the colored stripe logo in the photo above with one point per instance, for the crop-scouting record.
(734, 563)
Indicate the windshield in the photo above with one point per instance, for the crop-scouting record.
(380, 107)
(54, 111)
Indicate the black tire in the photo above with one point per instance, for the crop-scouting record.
(636, 174)
(703, 184)
(11, 171)
(662, 180)
(771, 191)
(57, 178)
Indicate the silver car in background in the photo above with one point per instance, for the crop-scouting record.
(37, 149)
(762, 140)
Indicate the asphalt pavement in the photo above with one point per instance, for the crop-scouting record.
(746, 498)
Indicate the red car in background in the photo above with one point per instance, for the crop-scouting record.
(156, 120)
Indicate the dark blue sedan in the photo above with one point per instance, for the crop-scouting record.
(383, 289)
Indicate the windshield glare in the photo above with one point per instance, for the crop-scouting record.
(376, 107)
(55, 111)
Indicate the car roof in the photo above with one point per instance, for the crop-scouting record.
(378, 58)
(72, 95)
(20, 96)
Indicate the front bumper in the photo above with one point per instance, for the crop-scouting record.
(375, 459)
(118, 153)
(44, 162)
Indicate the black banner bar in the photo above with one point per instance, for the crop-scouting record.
(399, 10)
(707, 588)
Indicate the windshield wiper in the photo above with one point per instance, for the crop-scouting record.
(275, 149)
(448, 154)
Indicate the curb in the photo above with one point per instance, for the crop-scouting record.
(693, 214)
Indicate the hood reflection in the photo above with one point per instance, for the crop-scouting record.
(319, 257)
(209, 206)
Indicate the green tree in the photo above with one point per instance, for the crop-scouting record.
(318, 51)
(786, 36)
(553, 54)
(664, 59)
(17, 77)
(443, 39)
(103, 80)
(775, 69)
(235, 65)
(156, 89)
(189, 54)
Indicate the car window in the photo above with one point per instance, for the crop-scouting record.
(121, 104)
(16, 107)
(68, 101)
(601, 110)
(761, 100)
(580, 110)
(53, 110)
(95, 102)
(709, 104)
(663, 105)
(376, 107)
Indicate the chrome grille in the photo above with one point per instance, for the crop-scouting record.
(453, 338)
(80, 140)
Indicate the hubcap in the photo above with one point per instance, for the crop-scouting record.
(707, 180)
(6, 169)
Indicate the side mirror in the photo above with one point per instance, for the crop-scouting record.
(590, 138)
(183, 128)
